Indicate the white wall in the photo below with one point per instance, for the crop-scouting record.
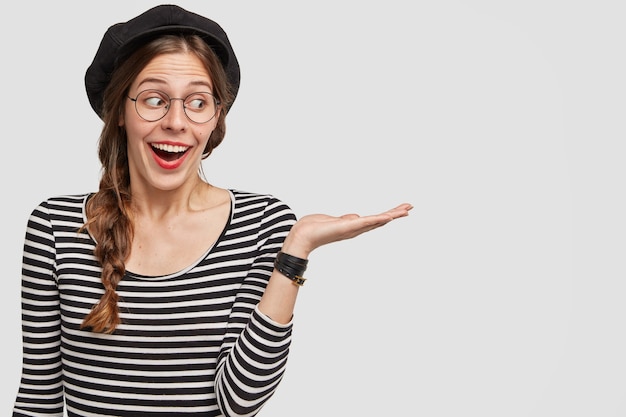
(502, 122)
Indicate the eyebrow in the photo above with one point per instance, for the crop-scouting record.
(162, 82)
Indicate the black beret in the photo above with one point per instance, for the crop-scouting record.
(121, 39)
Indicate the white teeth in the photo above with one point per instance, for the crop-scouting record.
(169, 148)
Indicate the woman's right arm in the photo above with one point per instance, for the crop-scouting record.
(41, 390)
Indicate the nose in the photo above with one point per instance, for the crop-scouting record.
(176, 118)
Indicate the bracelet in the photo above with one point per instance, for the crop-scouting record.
(292, 267)
(283, 257)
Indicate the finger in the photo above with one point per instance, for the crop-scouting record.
(400, 211)
(402, 207)
(366, 223)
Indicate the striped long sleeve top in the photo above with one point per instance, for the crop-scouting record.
(191, 343)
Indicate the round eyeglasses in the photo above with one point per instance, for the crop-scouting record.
(153, 105)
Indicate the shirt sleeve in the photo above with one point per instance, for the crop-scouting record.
(40, 391)
(254, 355)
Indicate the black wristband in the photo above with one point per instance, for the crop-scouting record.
(291, 266)
(291, 260)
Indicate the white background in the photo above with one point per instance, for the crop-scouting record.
(502, 122)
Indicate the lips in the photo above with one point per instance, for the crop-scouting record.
(169, 156)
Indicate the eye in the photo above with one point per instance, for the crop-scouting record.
(153, 99)
(198, 101)
(196, 104)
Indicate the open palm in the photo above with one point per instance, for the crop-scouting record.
(315, 230)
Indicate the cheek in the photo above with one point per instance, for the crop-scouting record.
(206, 131)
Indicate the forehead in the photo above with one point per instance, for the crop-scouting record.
(174, 69)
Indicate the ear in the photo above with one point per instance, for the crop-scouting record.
(121, 121)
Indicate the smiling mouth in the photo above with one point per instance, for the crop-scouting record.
(169, 152)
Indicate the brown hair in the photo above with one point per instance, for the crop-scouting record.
(109, 211)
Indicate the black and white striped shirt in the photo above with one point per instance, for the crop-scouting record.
(191, 343)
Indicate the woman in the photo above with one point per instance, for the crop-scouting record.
(160, 294)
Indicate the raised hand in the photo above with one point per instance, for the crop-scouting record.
(315, 230)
